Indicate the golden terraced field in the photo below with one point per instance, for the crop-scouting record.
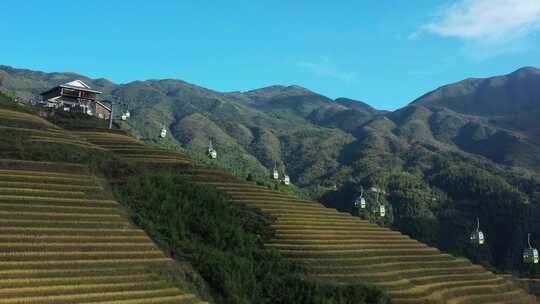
(64, 240)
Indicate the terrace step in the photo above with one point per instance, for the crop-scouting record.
(72, 232)
(79, 289)
(337, 236)
(45, 208)
(374, 245)
(40, 192)
(318, 233)
(64, 224)
(88, 272)
(378, 265)
(164, 161)
(330, 229)
(275, 199)
(341, 217)
(55, 187)
(292, 208)
(406, 275)
(42, 166)
(330, 241)
(344, 262)
(43, 256)
(59, 281)
(340, 225)
(98, 296)
(36, 239)
(280, 202)
(59, 201)
(102, 262)
(43, 173)
(12, 248)
(426, 252)
(45, 215)
(12, 177)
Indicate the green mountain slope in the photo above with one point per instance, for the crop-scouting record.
(463, 151)
(252, 130)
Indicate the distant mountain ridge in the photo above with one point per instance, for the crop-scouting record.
(488, 110)
(489, 96)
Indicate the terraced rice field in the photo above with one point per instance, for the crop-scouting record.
(337, 247)
(37, 130)
(62, 240)
(132, 149)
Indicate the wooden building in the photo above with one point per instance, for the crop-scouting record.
(76, 96)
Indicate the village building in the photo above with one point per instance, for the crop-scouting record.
(76, 96)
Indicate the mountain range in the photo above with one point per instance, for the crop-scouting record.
(465, 150)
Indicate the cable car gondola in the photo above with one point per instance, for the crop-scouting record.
(360, 202)
(275, 173)
(477, 236)
(381, 209)
(163, 133)
(286, 180)
(124, 116)
(128, 114)
(212, 153)
(530, 255)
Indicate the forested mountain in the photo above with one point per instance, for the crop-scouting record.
(466, 150)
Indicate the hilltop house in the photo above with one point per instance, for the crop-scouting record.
(76, 96)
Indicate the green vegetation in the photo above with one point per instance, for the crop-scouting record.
(224, 242)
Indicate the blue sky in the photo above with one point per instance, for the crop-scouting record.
(386, 53)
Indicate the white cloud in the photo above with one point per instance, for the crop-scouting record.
(326, 67)
(486, 21)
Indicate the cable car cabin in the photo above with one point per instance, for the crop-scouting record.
(128, 114)
(530, 256)
(477, 238)
(286, 180)
(382, 210)
(360, 203)
(212, 153)
(275, 174)
(163, 133)
(124, 117)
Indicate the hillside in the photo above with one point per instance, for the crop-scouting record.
(304, 232)
(65, 239)
(253, 130)
(463, 151)
(309, 233)
(507, 107)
